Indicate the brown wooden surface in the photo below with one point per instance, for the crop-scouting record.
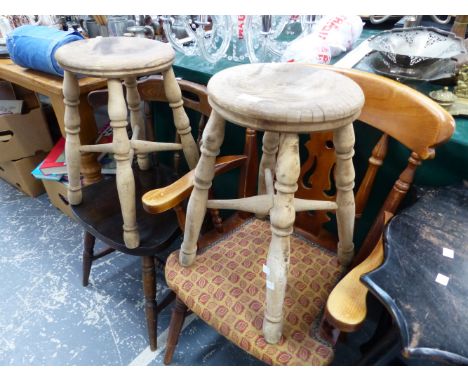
(284, 97)
(391, 204)
(51, 86)
(148, 271)
(115, 57)
(398, 111)
(163, 199)
(375, 162)
(402, 112)
(346, 306)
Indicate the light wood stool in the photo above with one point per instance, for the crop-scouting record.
(282, 100)
(121, 59)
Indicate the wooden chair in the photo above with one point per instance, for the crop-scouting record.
(100, 211)
(225, 285)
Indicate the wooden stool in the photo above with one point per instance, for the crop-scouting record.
(117, 59)
(282, 100)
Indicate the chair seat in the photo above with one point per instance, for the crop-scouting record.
(226, 288)
(101, 215)
(115, 57)
(285, 97)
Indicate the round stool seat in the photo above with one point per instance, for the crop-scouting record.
(285, 97)
(115, 57)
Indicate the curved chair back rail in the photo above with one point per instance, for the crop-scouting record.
(402, 112)
(152, 89)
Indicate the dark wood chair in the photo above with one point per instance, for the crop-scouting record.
(395, 110)
(100, 212)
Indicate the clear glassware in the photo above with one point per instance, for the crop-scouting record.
(179, 33)
(237, 49)
(267, 37)
(213, 36)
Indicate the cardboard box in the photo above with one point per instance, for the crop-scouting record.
(57, 193)
(18, 174)
(23, 135)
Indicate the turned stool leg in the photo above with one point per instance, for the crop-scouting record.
(149, 289)
(71, 93)
(181, 121)
(211, 142)
(282, 217)
(124, 176)
(270, 145)
(343, 139)
(137, 121)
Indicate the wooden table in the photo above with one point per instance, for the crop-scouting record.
(422, 283)
(51, 86)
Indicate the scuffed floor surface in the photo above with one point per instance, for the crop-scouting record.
(48, 318)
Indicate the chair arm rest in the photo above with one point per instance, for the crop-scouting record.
(346, 306)
(162, 199)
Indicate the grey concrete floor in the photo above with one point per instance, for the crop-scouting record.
(48, 318)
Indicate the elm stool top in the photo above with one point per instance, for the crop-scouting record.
(285, 97)
(115, 57)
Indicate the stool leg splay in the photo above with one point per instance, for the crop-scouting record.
(124, 176)
(282, 217)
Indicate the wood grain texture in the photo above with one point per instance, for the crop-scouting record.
(152, 89)
(396, 110)
(52, 86)
(346, 307)
(343, 140)
(212, 138)
(270, 146)
(315, 182)
(284, 97)
(282, 217)
(43, 83)
(248, 174)
(124, 175)
(71, 95)
(392, 202)
(430, 316)
(392, 107)
(115, 57)
(137, 121)
(181, 121)
(148, 271)
(163, 199)
(375, 162)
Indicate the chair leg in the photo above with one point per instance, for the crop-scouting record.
(177, 320)
(88, 252)
(149, 289)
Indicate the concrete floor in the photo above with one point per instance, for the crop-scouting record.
(48, 318)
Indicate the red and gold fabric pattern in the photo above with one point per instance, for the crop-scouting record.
(226, 288)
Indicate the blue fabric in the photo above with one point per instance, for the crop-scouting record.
(34, 47)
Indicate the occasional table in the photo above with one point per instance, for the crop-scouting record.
(423, 281)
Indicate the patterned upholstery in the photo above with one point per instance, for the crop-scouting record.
(226, 288)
